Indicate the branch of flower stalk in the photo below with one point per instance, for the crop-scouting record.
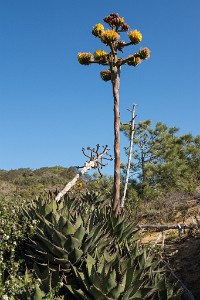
(128, 44)
(124, 61)
(99, 62)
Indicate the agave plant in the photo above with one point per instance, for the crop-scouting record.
(63, 238)
(121, 278)
(94, 252)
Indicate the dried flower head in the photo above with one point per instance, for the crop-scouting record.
(110, 17)
(125, 27)
(144, 53)
(101, 55)
(135, 36)
(120, 45)
(98, 29)
(85, 58)
(109, 36)
(133, 60)
(114, 20)
(105, 75)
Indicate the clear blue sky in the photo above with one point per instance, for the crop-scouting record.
(51, 106)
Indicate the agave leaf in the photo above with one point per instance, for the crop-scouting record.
(38, 246)
(126, 294)
(109, 281)
(78, 293)
(87, 244)
(136, 286)
(53, 206)
(68, 228)
(148, 292)
(53, 218)
(137, 296)
(64, 263)
(58, 238)
(109, 257)
(119, 225)
(80, 233)
(90, 261)
(103, 243)
(101, 265)
(81, 278)
(115, 221)
(128, 232)
(97, 293)
(53, 249)
(71, 243)
(129, 277)
(61, 223)
(119, 289)
(75, 255)
(41, 256)
(79, 222)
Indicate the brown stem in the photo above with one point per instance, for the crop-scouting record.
(115, 78)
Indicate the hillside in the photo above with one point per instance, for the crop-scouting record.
(182, 254)
(26, 183)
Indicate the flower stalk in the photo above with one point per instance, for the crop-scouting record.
(111, 38)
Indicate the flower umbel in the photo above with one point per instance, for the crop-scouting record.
(134, 60)
(109, 36)
(84, 58)
(144, 53)
(98, 29)
(135, 36)
(105, 75)
(114, 20)
(101, 55)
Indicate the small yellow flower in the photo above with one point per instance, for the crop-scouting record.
(144, 53)
(100, 55)
(80, 185)
(105, 75)
(135, 36)
(109, 36)
(98, 29)
(134, 60)
(84, 58)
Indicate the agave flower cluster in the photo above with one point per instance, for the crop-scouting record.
(111, 38)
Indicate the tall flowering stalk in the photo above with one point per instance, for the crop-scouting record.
(111, 38)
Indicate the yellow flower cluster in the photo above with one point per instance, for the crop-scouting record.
(100, 55)
(85, 58)
(144, 53)
(134, 60)
(109, 36)
(105, 75)
(98, 29)
(135, 36)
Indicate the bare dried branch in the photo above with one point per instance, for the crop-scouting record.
(94, 163)
(132, 131)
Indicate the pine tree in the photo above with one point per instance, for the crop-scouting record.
(164, 161)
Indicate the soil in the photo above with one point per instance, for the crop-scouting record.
(185, 262)
(182, 253)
